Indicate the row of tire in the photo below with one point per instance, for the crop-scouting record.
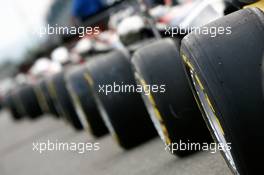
(211, 83)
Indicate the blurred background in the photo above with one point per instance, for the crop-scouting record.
(26, 57)
(21, 22)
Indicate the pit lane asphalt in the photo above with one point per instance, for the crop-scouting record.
(18, 158)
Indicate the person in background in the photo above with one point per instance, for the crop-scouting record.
(82, 9)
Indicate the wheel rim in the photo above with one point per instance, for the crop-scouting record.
(102, 109)
(212, 118)
(78, 107)
(153, 112)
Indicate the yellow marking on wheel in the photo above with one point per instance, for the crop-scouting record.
(78, 104)
(199, 82)
(41, 99)
(187, 61)
(258, 4)
(88, 78)
(151, 99)
(152, 102)
(220, 126)
(209, 102)
(166, 134)
(184, 57)
(157, 113)
(53, 93)
(75, 98)
(51, 89)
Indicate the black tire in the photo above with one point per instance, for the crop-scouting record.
(30, 104)
(45, 99)
(172, 107)
(11, 106)
(263, 74)
(230, 7)
(29, 101)
(137, 36)
(84, 102)
(57, 88)
(52, 92)
(41, 98)
(18, 102)
(124, 113)
(241, 3)
(225, 75)
(248, 1)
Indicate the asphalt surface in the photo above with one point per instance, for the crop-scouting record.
(18, 158)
